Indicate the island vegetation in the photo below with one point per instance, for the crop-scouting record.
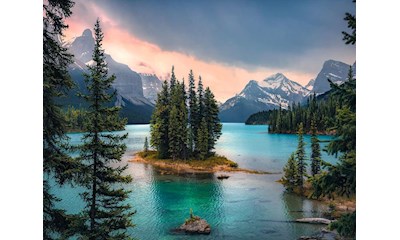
(185, 125)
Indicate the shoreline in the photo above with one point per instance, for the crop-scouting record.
(339, 204)
(176, 166)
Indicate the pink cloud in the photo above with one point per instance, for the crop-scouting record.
(142, 56)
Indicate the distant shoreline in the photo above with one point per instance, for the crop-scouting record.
(211, 165)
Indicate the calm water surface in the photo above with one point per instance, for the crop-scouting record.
(245, 206)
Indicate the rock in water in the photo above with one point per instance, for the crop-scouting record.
(196, 225)
(314, 220)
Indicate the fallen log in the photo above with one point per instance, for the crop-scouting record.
(314, 220)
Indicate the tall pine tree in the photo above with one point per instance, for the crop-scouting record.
(290, 173)
(200, 101)
(315, 150)
(178, 122)
(193, 113)
(301, 157)
(159, 123)
(106, 215)
(214, 126)
(202, 136)
(56, 81)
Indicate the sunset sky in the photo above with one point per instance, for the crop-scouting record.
(228, 43)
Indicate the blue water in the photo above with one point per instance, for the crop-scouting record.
(245, 206)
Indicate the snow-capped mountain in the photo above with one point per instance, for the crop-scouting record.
(128, 83)
(274, 91)
(152, 85)
(336, 71)
(310, 84)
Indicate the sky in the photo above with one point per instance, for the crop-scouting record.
(228, 43)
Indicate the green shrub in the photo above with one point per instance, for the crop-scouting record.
(345, 225)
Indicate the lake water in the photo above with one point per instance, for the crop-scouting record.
(245, 206)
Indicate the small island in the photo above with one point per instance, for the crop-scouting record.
(211, 164)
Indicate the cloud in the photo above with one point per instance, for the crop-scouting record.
(225, 78)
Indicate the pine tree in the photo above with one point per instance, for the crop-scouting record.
(173, 128)
(315, 150)
(214, 126)
(160, 122)
(173, 78)
(56, 81)
(177, 128)
(106, 215)
(183, 116)
(202, 136)
(290, 176)
(300, 157)
(193, 113)
(146, 145)
(351, 23)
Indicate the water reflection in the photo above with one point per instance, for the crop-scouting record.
(174, 196)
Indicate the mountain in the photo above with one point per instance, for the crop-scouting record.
(336, 71)
(152, 85)
(128, 83)
(310, 84)
(272, 92)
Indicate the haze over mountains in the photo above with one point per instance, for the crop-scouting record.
(277, 90)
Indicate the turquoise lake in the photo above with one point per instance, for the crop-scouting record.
(245, 206)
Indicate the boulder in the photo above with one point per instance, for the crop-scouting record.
(195, 225)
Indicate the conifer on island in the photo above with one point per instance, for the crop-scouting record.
(184, 124)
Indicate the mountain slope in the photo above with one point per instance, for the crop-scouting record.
(128, 83)
(272, 92)
(336, 71)
(151, 86)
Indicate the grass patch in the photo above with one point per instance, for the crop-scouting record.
(208, 163)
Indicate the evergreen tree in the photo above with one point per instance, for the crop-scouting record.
(173, 78)
(351, 23)
(56, 82)
(178, 133)
(173, 133)
(300, 157)
(290, 176)
(193, 113)
(214, 126)
(146, 145)
(184, 115)
(315, 150)
(160, 122)
(200, 101)
(106, 215)
(202, 136)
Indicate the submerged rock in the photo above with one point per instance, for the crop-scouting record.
(223, 176)
(195, 225)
